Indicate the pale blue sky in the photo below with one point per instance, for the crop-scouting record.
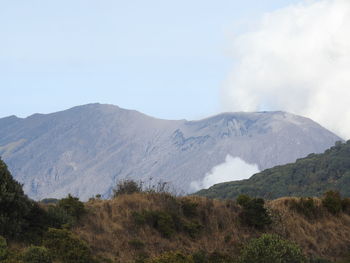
(165, 58)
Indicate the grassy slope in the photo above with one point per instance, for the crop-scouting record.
(110, 226)
(310, 176)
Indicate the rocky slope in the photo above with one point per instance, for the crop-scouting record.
(87, 149)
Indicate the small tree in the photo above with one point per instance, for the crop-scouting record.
(127, 187)
(332, 202)
(72, 206)
(254, 213)
(270, 249)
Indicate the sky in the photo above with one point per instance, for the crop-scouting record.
(177, 59)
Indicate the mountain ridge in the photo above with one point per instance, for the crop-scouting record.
(86, 149)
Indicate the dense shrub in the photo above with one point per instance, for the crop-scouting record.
(14, 205)
(306, 207)
(3, 248)
(332, 202)
(127, 187)
(59, 217)
(72, 206)
(64, 246)
(192, 228)
(189, 208)
(243, 199)
(36, 254)
(254, 213)
(136, 244)
(271, 249)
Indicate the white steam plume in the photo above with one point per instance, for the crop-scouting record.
(232, 169)
(297, 59)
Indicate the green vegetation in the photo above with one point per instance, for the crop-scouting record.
(310, 176)
(3, 248)
(35, 254)
(127, 187)
(254, 214)
(271, 248)
(332, 201)
(306, 207)
(155, 226)
(14, 205)
(66, 247)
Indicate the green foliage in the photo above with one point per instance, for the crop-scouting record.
(36, 254)
(254, 214)
(127, 187)
(59, 217)
(64, 246)
(3, 248)
(14, 205)
(166, 223)
(243, 199)
(136, 244)
(306, 207)
(193, 229)
(72, 206)
(332, 202)
(189, 208)
(310, 176)
(271, 249)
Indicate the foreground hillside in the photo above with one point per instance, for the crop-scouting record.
(153, 226)
(87, 149)
(310, 176)
(113, 231)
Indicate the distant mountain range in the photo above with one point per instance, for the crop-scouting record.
(310, 176)
(87, 149)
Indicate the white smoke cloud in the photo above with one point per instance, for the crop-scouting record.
(232, 169)
(296, 59)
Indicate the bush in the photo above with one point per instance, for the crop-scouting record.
(59, 217)
(72, 206)
(243, 200)
(189, 208)
(136, 244)
(254, 213)
(127, 187)
(3, 248)
(332, 202)
(64, 246)
(271, 248)
(306, 207)
(35, 254)
(193, 229)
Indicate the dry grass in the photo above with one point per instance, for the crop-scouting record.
(110, 226)
(327, 236)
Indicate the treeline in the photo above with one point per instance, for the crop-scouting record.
(310, 176)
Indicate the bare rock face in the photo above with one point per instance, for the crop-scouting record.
(87, 149)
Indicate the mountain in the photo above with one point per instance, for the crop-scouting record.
(310, 176)
(87, 149)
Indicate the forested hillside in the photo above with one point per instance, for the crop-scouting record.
(310, 176)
